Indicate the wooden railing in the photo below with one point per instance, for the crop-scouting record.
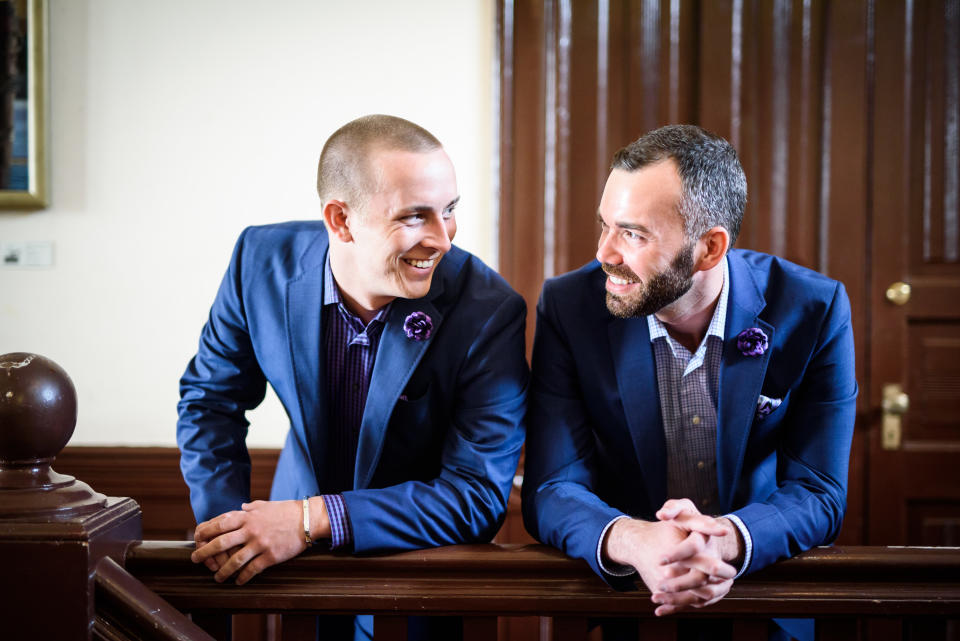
(126, 609)
(836, 585)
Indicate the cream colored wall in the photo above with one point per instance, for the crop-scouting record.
(174, 125)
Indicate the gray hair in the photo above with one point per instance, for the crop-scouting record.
(714, 186)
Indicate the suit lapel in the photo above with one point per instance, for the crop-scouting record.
(637, 383)
(304, 312)
(741, 378)
(397, 358)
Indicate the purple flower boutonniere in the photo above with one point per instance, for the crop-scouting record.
(752, 342)
(418, 326)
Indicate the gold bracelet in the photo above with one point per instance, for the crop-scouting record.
(306, 522)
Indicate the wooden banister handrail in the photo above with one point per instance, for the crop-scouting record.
(525, 580)
(126, 609)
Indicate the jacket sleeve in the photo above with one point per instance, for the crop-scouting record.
(220, 384)
(466, 502)
(806, 508)
(560, 504)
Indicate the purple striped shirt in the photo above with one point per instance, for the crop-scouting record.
(350, 350)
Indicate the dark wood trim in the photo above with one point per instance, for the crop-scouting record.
(151, 476)
(537, 580)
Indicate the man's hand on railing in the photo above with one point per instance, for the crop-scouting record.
(698, 569)
(678, 559)
(263, 533)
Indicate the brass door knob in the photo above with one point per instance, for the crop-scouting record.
(898, 293)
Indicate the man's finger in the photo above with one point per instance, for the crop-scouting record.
(692, 545)
(716, 569)
(218, 545)
(674, 507)
(209, 530)
(252, 569)
(688, 581)
(236, 561)
(706, 525)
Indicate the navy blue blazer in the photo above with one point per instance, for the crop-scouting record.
(595, 448)
(443, 425)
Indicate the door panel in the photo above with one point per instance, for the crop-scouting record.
(915, 489)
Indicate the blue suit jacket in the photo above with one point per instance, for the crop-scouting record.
(595, 448)
(432, 468)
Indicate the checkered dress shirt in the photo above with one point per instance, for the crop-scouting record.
(350, 351)
(688, 385)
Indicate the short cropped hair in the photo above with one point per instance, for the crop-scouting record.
(343, 170)
(714, 186)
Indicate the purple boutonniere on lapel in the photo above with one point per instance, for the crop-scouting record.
(418, 326)
(752, 342)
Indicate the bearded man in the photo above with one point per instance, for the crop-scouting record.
(691, 405)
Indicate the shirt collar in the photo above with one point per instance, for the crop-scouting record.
(717, 323)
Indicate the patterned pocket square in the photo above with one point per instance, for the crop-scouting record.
(765, 405)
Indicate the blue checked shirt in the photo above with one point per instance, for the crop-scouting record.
(350, 351)
(689, 386)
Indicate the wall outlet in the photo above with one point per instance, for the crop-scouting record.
(26, 254)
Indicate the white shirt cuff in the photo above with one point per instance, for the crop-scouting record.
(617, 570)
(747, 543)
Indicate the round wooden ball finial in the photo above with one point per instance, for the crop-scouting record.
(38, 412)
(38, 407)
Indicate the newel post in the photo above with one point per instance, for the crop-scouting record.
(53, 528)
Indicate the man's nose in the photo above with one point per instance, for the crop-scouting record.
(438, 236)
(606, 251)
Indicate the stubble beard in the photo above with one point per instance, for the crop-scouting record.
(660, 290)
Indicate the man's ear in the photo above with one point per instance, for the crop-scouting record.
(336, 216)
(713, 246)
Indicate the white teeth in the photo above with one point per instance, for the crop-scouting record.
(618, 281)
(420, 263)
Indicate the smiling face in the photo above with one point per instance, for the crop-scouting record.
(643, 249)
(398, 235)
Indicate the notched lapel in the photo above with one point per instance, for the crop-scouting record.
(637, 383)
(741, 378)
(397, 358)
(304, 318)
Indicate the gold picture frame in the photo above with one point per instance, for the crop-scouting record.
(23, 180)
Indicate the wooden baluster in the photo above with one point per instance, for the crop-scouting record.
(751, 629)
(217, 625)
(389, 628)
(480, 628)
(569, 629)
(885, 629)
(250, 627)
(921, 629)
(298, 627)
(837, 629)
(664, 629)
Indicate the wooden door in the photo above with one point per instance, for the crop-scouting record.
(914, 484)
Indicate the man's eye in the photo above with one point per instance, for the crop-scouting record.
(412, 219)
(448, 213)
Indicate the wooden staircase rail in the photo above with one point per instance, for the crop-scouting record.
(126, 609)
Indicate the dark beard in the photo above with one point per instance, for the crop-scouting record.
(662, 289)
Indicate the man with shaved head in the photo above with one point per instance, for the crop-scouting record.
(398, 357)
